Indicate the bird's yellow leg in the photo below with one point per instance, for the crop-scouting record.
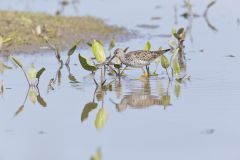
(145, 74)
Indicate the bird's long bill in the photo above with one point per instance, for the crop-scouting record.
(166, 50)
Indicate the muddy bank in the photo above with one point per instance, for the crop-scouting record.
(23, 32)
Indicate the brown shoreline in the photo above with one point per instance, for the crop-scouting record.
(20, 31)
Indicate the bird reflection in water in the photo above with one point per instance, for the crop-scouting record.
(139, 98)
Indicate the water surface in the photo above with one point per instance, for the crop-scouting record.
(199, 124)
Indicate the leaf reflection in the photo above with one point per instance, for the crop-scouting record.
(87, 109)
(97, 155)
(101, 118)
(33, 94)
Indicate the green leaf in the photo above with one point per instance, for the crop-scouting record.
(164, 62)
(174, 53)
(40, 72)
(174, 33)
(59, 75)
(41, 101)
(183, 35)
(72, 78)
(112, 44)
(154, 73)
(180, 31)
(32, 94)
(100, 42)
(87, 109)
(172, 44)
(7, 67)
(100, 95)
(32, 73)
(3, 67)
(89, 44)
(1, 88)
(176, 67)
(118, 66)
(16, 61)
(74, 47)
(97, 155)
(20, 109)
(98, 51)
(166, 100)
(177, 89)
(101, 118)
(86, 64)
(147, 46)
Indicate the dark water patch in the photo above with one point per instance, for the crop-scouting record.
(156, 18)
(148, 26)
(230, 56)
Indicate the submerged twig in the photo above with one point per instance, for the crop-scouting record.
(205, 15)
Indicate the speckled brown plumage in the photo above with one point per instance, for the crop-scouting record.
(138, 58)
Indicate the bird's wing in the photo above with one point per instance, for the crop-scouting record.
(143, 55)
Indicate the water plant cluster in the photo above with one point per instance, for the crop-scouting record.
(173, 62)
(101, 65)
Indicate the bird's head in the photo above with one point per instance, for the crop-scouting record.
(118, 52)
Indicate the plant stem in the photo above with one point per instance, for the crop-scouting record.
(168, 75)
(101, 75)
(26, 76)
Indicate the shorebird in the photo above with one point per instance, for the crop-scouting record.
(138, 58)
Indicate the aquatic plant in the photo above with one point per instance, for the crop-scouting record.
(97, 155)
(101, 116)
(102, 62)
(58, 74)
(33, 94)
(33, 76)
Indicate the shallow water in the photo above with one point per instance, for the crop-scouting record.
(200, 124)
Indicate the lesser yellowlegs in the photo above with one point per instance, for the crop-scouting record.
(139, 58)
